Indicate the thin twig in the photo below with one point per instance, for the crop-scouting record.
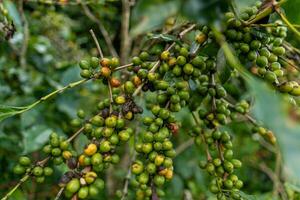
(102, 29)
(59, 193)
(289, 62)
(101, 56)
(111, 100)
(75, 134)
(23, 180)
(97, 43)
(286, 21)
(123, 67)
(184, 146)
(187, 30)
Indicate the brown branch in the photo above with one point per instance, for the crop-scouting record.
(97, 43)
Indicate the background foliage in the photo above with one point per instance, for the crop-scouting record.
(59, 37)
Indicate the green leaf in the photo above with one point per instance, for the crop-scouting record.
(35, 137)
(271, 109)
(224, 70)
(203, 11)
(9, 111)
(292, 187)
(152, 14)
(291, 9)
(244, 3)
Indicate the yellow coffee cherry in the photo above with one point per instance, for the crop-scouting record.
(120, 100)
(91, 149)
(67, 155)
(81, 159)
(169, 174)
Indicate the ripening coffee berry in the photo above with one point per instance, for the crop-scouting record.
(73, 186)
(114, 82)
(91, 149)
(94, 62)
(114, 62)
(262, 61)
(105, 146)
(48, 171)
(24, 161)
(19, 170)
(105, 72)
(111, 122)
(85, 73)
(129, 87)
(37, 171)
(279, 51)
(83, 192)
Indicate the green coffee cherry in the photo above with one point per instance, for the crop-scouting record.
(73, 186)
(24, 161)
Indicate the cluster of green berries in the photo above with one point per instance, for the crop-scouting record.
(265, 133)
(179, 78)
(221, 165)
(154, 164)
(58, 149)
(25, 166)
(82, 184)
(262, 49)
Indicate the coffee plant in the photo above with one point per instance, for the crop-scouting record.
(204, 77)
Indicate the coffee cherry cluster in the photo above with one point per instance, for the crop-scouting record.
(82, 184)
(58, 149)
(221, 165)
(25, 166)
(262, 49)
(154, 165)
(265, 133)
(175, 76)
